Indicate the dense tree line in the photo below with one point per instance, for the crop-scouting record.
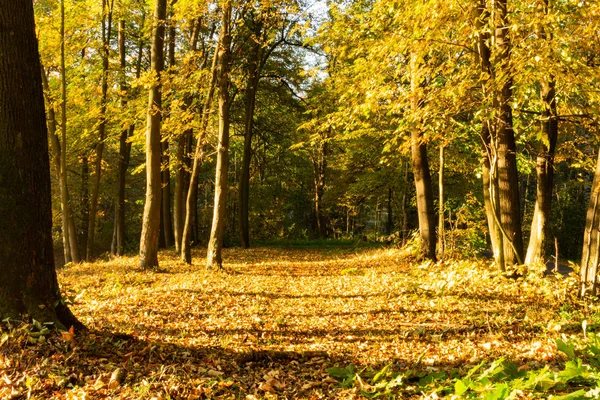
(240, 138)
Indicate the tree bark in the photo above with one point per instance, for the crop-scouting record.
(65, 206)
(591, 240)
(441, 212)
(319, 170)
(508, 180)
(483, 58)
(544, 166)
(182, 155)
(106, 34)
(68, 214)
(151, 218)
(166, 215)
(422, 177)
(118, 245)
(253, 72)
(215, 244)
(28, 283)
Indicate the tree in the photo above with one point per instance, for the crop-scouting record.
(215, 243)
(107, 13)
(540, 223)
(151, 219)
(28, 283)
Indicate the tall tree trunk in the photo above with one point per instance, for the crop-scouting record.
(182, 156)
(151, 218)
(118, 245)
(319, 170)
(28, 283)
(215, 243)
(544, 166)
(403, 204)
(389, 226)
(107, 11)
(56, 157)
(166, 215)
(71, 242)
(508, 180)
(251, 89)
(191, 215)
(591, 240)
(441, 204)
(84, 201)
(422, 176)
(483, 58)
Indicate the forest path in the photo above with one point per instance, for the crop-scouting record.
(275, 319)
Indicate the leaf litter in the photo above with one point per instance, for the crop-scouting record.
(284, 323)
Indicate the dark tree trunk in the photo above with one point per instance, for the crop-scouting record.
(591, 240)
(441, 212)
(118, 245)
(251, 89)
(389, 227)
(166, 215)
(544, 167)
(483, 58)
(151, 218)
(215, 243)
(422, 176)
(106, 34)
(28, 283)
(508, 180)
(319, 171)
(84, 201)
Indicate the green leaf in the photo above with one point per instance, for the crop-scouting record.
(460, 387)
(580, 394)
(381, 373)
(501, 392)
(342, 374)
(568, 349)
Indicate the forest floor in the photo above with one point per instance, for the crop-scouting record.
(290, 323)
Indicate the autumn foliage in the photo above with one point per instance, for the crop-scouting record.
(298, 323)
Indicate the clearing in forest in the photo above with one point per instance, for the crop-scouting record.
(277, 322)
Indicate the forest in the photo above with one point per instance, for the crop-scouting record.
(299, 199)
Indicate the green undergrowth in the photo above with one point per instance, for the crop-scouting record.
(577, 378)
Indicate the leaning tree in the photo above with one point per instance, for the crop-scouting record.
(28, 283)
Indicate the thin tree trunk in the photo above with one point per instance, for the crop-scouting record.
(441, 212)
(403, 204)
(71, 244)
(28, 282)
(192, 194)
(422, 176)
(591, 240)
(118, 246)
(182, 157)
(167, 216)
(56, 157)
(319, 171)
(251, 89)
(544, 166)
(151, 218)
(84, 201)
(390, 217)
(215, 243)
(106, 34)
